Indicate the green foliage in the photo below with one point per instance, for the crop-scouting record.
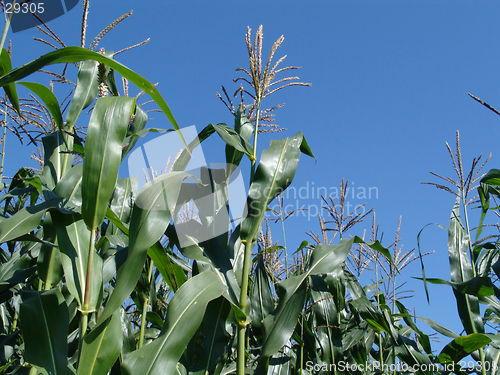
(94, 280)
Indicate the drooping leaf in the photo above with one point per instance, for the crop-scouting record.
(477, 286)
(183, 160)
(234, 139)
(103, 148)
(462, 346)
(76, 54)
(49, 99)
(44, 318)
(184, 315)
(123, 200)
(173, 274)
(26, 219)
(70, 186)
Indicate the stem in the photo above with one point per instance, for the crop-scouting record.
(280, 201)
(88, 280)
(145, 306)
(378, 303)
(241, 354)
(68, 141)
(88, 283)
(481, 350)
(302, 345)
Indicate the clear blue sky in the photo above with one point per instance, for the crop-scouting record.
(389, 88)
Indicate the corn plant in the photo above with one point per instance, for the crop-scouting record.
(95, 278)
(472, 270)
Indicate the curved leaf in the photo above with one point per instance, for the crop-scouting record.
(76, 54)
(184, 315)
(48, 98)
(103, 150)
(26, 219)
(233, 139)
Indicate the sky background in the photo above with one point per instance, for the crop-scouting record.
(389, 89)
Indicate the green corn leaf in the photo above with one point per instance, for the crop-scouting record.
(76, 54)
(115, 220)
(53, 146)
(122, 202)
(461, 271)
(183, 160)
(10, 89)
(477, 286)
(184, 315)
(462, 346)
(326, 318)
(423, 338)
(87, 86)
(70, 186)
(244, 128)
(26, 219)
(233, 139)
(103, 149)
(274, 174)
(208, 346)
(49, 99)
(280, 325)
(150, 218)
(74, 241)
(261, 297)
(173, 274)
(101, 347)
(49, 264)
(438, 327)
(45, 318)
(137, 125)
